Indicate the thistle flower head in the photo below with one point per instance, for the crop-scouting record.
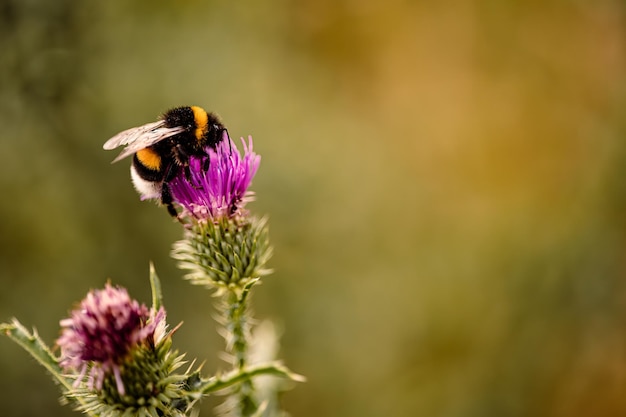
(216, 185)
(102, 331)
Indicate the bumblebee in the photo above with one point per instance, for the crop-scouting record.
(162, 149)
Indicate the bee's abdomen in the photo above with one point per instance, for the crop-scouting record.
(148, 164)
(149, 158)
(148, 189)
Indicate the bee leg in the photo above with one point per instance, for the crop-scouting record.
(168, 201)
(183, 159)
(206, 164)
(187, 172)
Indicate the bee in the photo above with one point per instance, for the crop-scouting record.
(162, 149)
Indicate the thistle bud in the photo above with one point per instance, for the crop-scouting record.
(226, 254)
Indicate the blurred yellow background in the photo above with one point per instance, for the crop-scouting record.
(445, 185)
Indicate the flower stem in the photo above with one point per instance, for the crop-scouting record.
(238, 376)
(236, 320)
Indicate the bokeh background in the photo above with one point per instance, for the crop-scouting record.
(445, 182)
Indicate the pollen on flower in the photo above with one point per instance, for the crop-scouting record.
(217, 184)
(101, 332)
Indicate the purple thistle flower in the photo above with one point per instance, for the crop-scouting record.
(102, 331)
(221, 190)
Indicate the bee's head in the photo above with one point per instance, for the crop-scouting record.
(215, 132)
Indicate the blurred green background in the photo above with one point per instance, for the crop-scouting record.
(445, 185)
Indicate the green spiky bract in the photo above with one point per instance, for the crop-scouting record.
(224, 255)
(152, 387)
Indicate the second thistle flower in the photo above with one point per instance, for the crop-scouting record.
(118, 352)
(102, 331)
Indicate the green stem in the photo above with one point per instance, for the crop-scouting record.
(236, 321)
(237, 324)
(239, 376)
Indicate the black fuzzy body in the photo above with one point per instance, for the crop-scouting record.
(173, 153)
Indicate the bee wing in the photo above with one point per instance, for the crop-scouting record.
(138, 138)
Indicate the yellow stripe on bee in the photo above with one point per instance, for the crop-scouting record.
(201, 118)
(149, 158)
